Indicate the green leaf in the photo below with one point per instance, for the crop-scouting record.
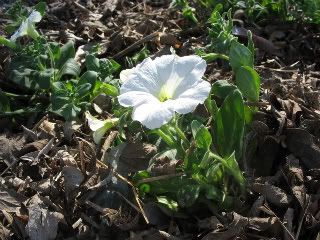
(55, 50)
(213, 193)
(234, 170)
(229, 125)
(107, 68)
(67, 52)
(187, 195)
(44, 78)
(212, 107)
(214, 173)
(92, 63)
(169, 203)
(248, 113)
(109, 90)
(203, 138)
(206, 160)
(201, 135)
(25, 78)
(70, 67)
(88, 77)
(41, 8)
(64, 101)
(64, 106)
(195, 127)
(83, 90)
(240, 55)
(4, 102)
(248, 81)
(222, 88)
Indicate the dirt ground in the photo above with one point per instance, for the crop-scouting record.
(57, 184)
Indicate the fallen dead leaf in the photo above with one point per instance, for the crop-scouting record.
(272, 194)
(9, 199)
(73, 177)
(234, 229)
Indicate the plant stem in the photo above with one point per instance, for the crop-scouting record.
(13, 95)
(215, 156)
(181, 134)
(179, 131)
(165, 137)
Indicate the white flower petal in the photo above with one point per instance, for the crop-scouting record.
(135, 98)
(22, 31)
(94, 123)
(153, 115)
(125, 74)
(164, 65)
(99, 133)
(27, 26)
(35, 16)
(192, 97)
(144, 78)
(191, 69)
(15, 36)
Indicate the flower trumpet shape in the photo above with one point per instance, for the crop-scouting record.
(100, 127)
(27, 27)
(158, 88)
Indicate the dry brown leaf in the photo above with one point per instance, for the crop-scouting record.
(272, 194)
(42, 224)
(4, 233)
(211, 223)
(64, 157)
(136, 156)
(234, 229)
(262, 224)
(73, 177)
(301, 144)
(9, 199)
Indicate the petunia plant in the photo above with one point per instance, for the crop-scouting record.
(161, 94)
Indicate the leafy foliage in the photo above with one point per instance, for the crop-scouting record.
(41, 67)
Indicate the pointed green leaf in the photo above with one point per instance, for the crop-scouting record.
(70, 67)
(240, 55)
(88, 77)
(187, 195)
(248, 81)
(222, 88)
(234, 170)
(229, 125)
(67, 52)
(92, 63)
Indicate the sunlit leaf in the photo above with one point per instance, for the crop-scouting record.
(222, 88)
(229, 125)
(240, 55)
(248, 81)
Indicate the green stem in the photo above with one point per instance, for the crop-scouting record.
(13, 95)
(181, 134)
(210, 57)
(215, 156)
(179, 131)
(165, 137)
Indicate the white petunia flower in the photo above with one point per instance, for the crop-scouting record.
(27, 26)
(158, 88)
(100, 127)
(124, 74)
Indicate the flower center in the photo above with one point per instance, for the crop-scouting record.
(165, 93)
